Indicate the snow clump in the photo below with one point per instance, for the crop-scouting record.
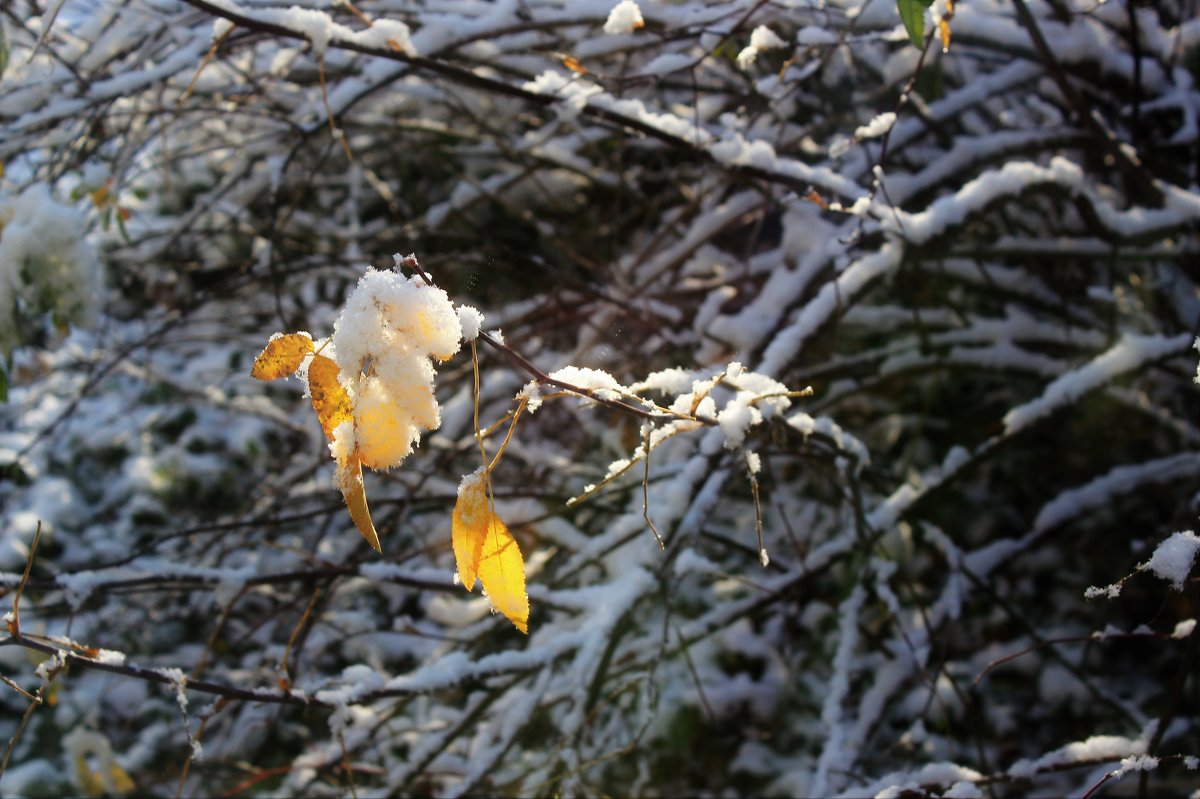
(383, 341)
(625, 17)
(762, 38)
(1173, 558)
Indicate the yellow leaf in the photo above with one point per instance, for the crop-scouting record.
(470, 512)
(944, 30)
(329, 397)
(351, 482)
(484, 548)
(282, 356)
(100, 195)
(572, 63)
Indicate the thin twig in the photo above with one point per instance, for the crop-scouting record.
(14, 624)
(646, 489)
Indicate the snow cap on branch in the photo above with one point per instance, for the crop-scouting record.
(625, 17)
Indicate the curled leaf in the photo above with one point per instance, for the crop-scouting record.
(282, 356)
(350, 480)
(484, 548)
(329, 397)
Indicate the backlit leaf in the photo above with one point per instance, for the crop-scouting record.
(350, 480)
(282, 356)
(329, 397)
(484, 548)
(912, 14)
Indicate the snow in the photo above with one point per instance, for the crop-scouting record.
(1132, 352)
(761, 38)
(597, 380)
(1173, 558)
(47, 264)
(386, 34)
(667, 63)
(631, 234)
(876, 127)
(471, 320)
(625, 17)
(1135, 763)
(389, 329)
(1183, 629)
(1095, 748)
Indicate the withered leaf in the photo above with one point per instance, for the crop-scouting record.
(282, 356)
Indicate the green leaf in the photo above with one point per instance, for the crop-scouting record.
(3, 384)
(912, 14)
(3, 48)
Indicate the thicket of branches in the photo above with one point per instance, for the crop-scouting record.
(983, 260)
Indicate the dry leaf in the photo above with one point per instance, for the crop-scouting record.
(350, 480)
(282, 356)
(329, 397)
(944, 26)
(484, 548)
(816, 199)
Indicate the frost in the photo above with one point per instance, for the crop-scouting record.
(531, 392)
(1108, 592)
(1173, 558)
(1135, 763)
(625, 17)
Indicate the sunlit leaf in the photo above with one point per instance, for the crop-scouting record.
(944, 32)
(100, 196)
(912, 14)
(350, 480)
(484, 548)
(329, 397)
(282, 356)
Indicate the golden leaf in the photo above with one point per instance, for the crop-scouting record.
(484, 548)
(100, 195)
(351, 482)
(329, 397)
(282, 356)
(572, 63)
(944, 30)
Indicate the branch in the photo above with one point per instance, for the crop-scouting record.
(1141, 183)
(471, 79)
(158, 676)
